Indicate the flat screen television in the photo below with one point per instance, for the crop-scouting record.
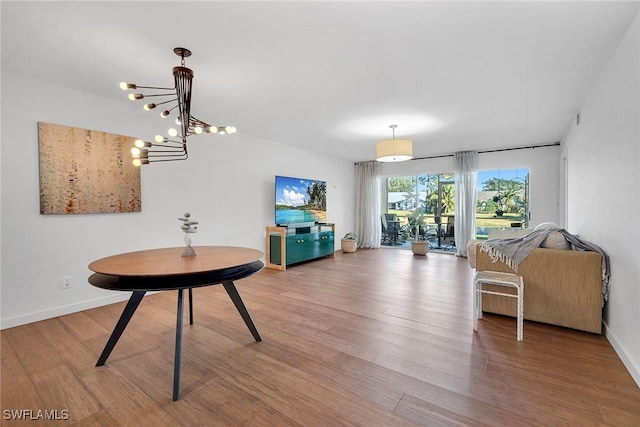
(300, 201)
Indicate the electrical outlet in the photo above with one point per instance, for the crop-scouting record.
(66, 282)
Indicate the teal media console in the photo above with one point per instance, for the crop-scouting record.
(291, 245)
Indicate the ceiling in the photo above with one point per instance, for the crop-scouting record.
(332, 76)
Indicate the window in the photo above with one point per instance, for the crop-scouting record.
(502, 200)
(425, 203)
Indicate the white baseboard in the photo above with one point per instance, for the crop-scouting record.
(633, 369)
(61, 311)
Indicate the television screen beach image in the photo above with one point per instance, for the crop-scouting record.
(300, 200)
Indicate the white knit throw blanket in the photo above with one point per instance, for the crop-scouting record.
(513, 251)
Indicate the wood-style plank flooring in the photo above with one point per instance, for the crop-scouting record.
(374, 338)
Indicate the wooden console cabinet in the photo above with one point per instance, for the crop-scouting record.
(286, 246)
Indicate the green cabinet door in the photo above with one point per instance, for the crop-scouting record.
(307, 246)
(302, 247)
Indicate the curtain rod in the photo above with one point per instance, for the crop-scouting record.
(554, 144)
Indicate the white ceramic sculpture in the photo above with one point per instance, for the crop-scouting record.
(188, 228)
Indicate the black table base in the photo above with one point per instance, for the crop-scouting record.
(110, 282)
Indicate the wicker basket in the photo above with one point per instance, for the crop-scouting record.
(349, 245)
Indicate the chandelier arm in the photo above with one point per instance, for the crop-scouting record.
(153, 153)
(168, 160)
(172, 108)
(180, 152)
(167, 155)
(160, 94)
(164, 157)
(167, 144)
(194, 122)
(154, 87)
(166, 102)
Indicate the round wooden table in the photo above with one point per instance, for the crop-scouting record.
(166, 269)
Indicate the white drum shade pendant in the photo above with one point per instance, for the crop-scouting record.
(394, 150)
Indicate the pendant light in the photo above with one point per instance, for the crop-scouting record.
(394, 150)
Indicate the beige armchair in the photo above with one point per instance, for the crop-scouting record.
(561, 287)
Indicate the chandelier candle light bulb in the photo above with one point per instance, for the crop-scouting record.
(142, 144)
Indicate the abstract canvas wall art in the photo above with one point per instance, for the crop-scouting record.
(85, 171)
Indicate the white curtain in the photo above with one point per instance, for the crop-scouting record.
(367, 191)
(465, 199)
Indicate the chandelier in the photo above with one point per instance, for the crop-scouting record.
(174, 146)
(394, 150)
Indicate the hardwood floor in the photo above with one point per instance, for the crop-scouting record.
(373, 338)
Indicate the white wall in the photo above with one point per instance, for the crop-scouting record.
(543, 165)
(227, 184)
(603, 188)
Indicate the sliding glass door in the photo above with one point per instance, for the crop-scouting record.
(445, 208)
(423, 205)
